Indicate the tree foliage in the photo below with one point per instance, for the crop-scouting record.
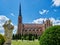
(51, 36)
(1, 40)
(25, 37)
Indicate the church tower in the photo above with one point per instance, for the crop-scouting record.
(19, 31)
(48, 23)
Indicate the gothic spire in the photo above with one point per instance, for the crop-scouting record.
(20, 9)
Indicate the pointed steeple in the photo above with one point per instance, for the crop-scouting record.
(20, 9)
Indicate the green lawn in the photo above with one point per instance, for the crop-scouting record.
(25, 42)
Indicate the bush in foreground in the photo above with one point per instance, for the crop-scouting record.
(51, 36)
(1, 40)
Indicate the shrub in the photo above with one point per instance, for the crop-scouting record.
(1, 40)
(30, 36)
(33, 38)
(51, 36)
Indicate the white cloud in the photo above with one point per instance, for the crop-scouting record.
(2, 21)
(12, 14)
(53, 20)
(43, 11)
(56, 2)
(15, 30)
(1, 30)
(39, 21)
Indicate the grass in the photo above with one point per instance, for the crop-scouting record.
(25, 42)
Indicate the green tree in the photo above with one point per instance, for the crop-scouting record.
(13, 37)
(22, 38)
(33, 38)
(30, 36)
(51, 36)
(2, 40)
(36, 37)
(39, 37)
(27, 37)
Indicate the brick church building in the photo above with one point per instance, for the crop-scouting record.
(35, 29)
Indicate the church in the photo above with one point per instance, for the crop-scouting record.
(34, 29)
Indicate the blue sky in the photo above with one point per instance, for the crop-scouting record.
(33, 11)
